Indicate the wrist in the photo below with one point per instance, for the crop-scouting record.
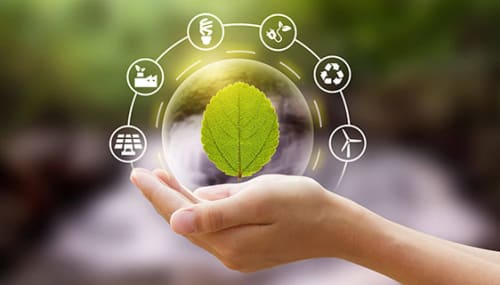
(352, 229)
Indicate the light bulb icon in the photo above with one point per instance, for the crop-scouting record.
(206, 32)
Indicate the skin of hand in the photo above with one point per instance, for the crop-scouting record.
(267, 221)
(276, 219)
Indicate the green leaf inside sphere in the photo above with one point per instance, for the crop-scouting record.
(240, 130)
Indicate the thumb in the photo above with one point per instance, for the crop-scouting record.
(212, 216)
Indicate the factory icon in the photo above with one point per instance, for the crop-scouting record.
(144, 82)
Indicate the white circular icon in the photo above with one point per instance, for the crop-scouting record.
(278, 32)
(128, 144)
(145, 77)
(332, 74)
(347, 143)
(205, 31)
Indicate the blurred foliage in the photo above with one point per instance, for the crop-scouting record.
(422, 68)
(70, 55)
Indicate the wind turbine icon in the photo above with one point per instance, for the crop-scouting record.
(348, 142)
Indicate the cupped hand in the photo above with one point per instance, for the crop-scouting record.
(261, 223)
(276, 219)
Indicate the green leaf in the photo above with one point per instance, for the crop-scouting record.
(240, 131)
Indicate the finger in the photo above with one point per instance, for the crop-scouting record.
(167, 178)
(164, 199)
(173, 183)
(212, 193)
(214, 216)
(217, 192)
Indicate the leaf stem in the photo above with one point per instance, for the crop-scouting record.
(239, 136)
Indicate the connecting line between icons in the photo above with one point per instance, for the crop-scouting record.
(292, 71)
(258, 26)
(235, 51)
(242, 25)
(342, 175)
(345, 107)
(308, 49)
(171, 48)
(344, 168)
(131, 109)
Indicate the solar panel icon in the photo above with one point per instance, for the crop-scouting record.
(127, 144)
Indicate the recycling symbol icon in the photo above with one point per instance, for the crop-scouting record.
(332, 68)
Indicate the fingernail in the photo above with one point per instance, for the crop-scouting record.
(183, 222)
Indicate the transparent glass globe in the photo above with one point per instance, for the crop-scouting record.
(181, 130)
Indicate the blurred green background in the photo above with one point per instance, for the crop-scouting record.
(73, 53)
(426, 76)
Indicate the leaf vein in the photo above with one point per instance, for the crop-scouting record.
(260, 150)
(218, 149)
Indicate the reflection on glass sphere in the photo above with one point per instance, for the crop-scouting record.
(181, 136)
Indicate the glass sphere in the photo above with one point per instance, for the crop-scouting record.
(181, 130)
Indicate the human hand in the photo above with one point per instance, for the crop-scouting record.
(276, 219)
(261, 223)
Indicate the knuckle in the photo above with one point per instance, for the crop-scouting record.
(260, 209)
(210, 220)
